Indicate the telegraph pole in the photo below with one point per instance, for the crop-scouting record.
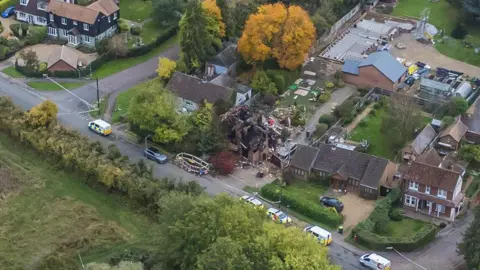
(98, 96)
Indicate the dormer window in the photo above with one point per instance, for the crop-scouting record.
(74, 22)
(85, 26)
(42, 6)
(51, 17)
(115, 15)
(23, 2)
(64, 21)
(109, 20)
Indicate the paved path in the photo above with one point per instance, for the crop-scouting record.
(359, 118)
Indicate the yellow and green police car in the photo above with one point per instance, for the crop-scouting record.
(101, 127)
(252, 201)
(278, 216)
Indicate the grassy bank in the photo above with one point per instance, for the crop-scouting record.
(50, 86)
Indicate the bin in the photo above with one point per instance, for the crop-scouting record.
(340, 229)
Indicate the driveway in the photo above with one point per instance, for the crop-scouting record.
(416, 51)
(338, 96)
(44, 50)
(355, 209)
(6, 25)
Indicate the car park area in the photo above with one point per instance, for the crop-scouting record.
(355, 209)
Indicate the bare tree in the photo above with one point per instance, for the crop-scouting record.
(117, 46)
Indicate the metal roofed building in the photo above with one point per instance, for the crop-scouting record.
(431, 89)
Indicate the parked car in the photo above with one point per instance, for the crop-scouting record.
(332, 202)
(278, 216)
(101, 127)
(155, 155)
(323, 236)
(253, 201)
(8, 12)
(374, 261)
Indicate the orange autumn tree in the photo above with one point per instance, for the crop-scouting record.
(276, 31)
(214, 18)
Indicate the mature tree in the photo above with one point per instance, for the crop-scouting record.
(401, 120)
(43, 114)
(470, 153)
(154, 110)
(215, 24)
(275, 31)
(472, 7)
(30, 59)
(224, 162)
(121, 266)
(470, 246)
(320, 130)
(168, 10)
(117, 46)
(345, 109)
(202, 118)
(166, 68)
(457, 106)
(224, 254)
(228, 15)
(196, 42)
(262, 83)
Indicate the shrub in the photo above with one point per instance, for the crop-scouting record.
(123, 25)
(324, 97)
(42, 67)
(442, 225)
(36, 35)
(396, 214)
(3, 41)
(15, 29)
(224, 162)
(279, 81)
(373, 112)
(329, 85)
(338, 75)
(377, 106)
(307, 208)
(339, 84)
(102, 46)
(326, 119)
(136, 30)
(460, 31)
(320, 130)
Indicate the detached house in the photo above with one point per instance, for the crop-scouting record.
(433, 190)
(351, 170)
(82, 25)
(32, 11)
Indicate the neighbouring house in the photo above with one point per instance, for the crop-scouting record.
(356, 172)
(223, 62)
(81, 25)
(32, 11)
(420, 143)
(433, 190)
(432, 157)
(379, 69)
(452, 135)
(63, 59)
(472, 120)
(192, 91)
(243, 92)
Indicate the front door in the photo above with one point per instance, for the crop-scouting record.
(30, 19)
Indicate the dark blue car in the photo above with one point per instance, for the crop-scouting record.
(8, 12)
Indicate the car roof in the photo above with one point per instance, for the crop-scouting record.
(254, 200)
(273, 210)
(101, 123)
(246, 197)
(319, 231)
(379, 259)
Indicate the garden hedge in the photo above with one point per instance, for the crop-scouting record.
(305, 207)
(365, 230)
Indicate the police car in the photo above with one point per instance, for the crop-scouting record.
(253, 201)
(101, 127)
(278, 216)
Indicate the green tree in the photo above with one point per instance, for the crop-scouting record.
(30, 59)
(262, 83)
(44, 114)
(224, 254)
(345, 109)
(154, 110)
(457, 106)
(470, 246)
(320, 130)
(168, 10)
(195, 40)
(228, 15)
(470, 152)
(202, 118)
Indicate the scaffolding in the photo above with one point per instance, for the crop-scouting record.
(191, 163)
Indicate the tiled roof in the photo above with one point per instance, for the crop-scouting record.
(65, 53)
(196, 90)
(386, 64)
(457, 130)
(107, 7)
(72, 11)
(433, 176)
(304, 157)
(430, 157)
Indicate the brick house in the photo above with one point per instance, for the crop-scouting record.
(63, 59)
(379, 69)
(351, 170)
(453, 135)
(472, 120)
(433, 190)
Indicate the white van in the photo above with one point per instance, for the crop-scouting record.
(323, 236)
(101, 127)
(374, 261)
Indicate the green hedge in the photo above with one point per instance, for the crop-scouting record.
(305, 207)
(365, 230)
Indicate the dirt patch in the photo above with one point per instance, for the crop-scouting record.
(44, 50)
(416, 51)
(6, 22)
(355, 209)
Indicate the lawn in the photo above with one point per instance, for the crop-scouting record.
(306, 190)
(115, 66)
(444, 17)
(50, 86)
(50, 212)
(123, 99)
(12, 72)
(151, 31)
(403, 228)
(135, 10)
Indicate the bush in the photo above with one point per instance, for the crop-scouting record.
(279, 81)
(396, 214)
(15, 29)
(362, 123)
(136, 30)
(224, 162)
(329, 85)
(123, 25)
(339, 84)
(324, 97)
(320, 130)
(442, 225)
(36, 35)
(326, 119)
(307, 208)
(102, 46)
(460, 31)
(377, 106)
(373, 112)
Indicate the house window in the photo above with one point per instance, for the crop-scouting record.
(410, 201)
(115, 15)
(21, 14)
(51, 17)
(413, 185)
(85, 26)
(442, 193)
(427, 189)
(440, 208)
(74, 22)
(52, 31)
(64, 21)
(63, 32)
(188, 102)
(109, 20)
(86, 39)
(23, 2)
(41, 20)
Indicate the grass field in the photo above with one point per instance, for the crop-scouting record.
(12, 72)
(308, 191)
(118, 65)
(151, 31)
(444, 17)
(50, 86)
(46, 211)
(135, 10)
(403, 228)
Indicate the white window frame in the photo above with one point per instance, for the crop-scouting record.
(23, 2)
(427, 189)
(440, 208)
(64, 21)
(109, 19)
(410, 201)
(52, 31)
(51, 17)
(85, 26)
(21, 14)
(75, 23)
(86, 39)
(442, 193)
(115, 15)
(413, 185)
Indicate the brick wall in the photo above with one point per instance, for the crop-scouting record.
(60, 66)
(370, 76)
